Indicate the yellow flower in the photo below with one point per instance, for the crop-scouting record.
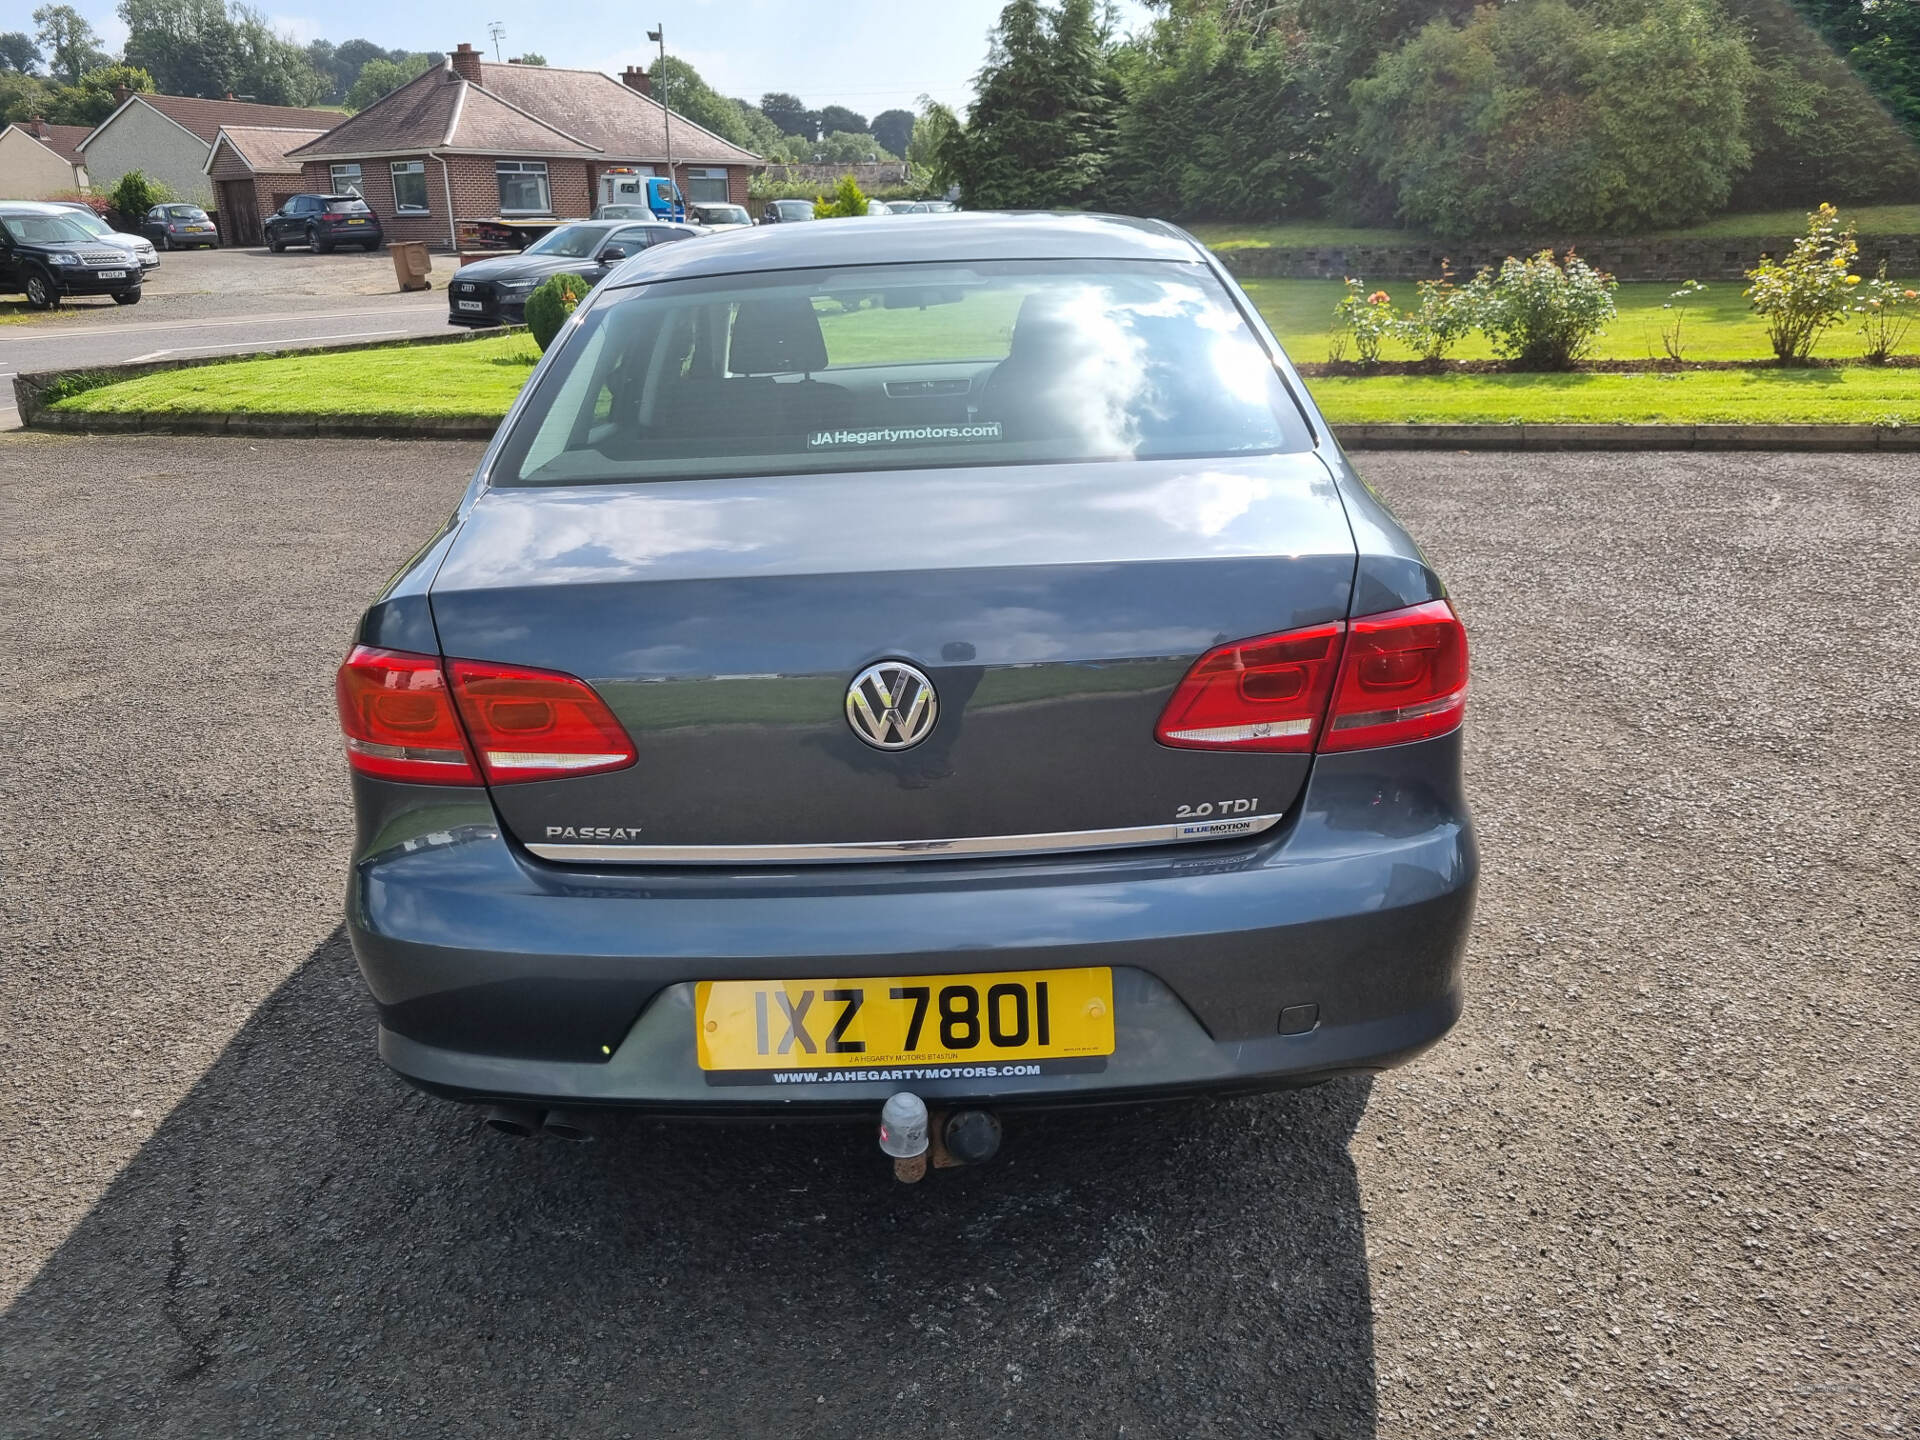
(1853, 279)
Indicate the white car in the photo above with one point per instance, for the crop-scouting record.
(719, 217)
(141, 247)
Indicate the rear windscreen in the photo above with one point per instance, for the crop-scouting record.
(903, 366)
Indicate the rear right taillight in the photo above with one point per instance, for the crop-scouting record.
(398, 719)
(1403, 677)
(1374, 680)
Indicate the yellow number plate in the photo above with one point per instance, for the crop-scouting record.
(936, 1020)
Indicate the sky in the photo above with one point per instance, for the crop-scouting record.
(869, 55)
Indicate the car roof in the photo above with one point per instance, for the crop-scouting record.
(978, 235)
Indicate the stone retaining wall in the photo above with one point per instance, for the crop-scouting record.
(1663, 260)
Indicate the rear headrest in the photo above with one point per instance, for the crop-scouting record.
(776, 337)
(1043, 333)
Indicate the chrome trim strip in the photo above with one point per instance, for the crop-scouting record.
(843, 851)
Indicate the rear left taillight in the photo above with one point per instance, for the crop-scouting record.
(536, 724)
(397, 716)
(1375, 680)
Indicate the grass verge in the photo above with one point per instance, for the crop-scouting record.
(479, 378)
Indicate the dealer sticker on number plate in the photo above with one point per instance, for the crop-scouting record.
(928, 1027)
(471, 305)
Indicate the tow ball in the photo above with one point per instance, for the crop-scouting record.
(912, 1136)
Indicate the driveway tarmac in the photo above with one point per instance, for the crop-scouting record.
(1662, 1180)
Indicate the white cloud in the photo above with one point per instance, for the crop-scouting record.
(297, 28)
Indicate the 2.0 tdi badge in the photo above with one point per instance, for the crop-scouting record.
(891, 705)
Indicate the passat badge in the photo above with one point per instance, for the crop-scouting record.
(891, 705)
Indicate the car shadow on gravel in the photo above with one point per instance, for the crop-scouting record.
(308, 1246)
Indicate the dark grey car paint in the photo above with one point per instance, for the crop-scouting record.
(499, 974)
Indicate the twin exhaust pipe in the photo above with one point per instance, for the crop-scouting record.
(523, 1122)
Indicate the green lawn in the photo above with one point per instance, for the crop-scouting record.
(1717, 326)
(478, 377)
(481, 377)
(1312, 234)
(1854, 396)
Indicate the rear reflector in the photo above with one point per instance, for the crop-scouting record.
(536, 724)
(1403, 677)
(398, 719)
(1377, 680)
(1263, 694)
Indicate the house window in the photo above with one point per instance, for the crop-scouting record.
(706, 187)
(410, 187)
(523, 187)
(346, 179)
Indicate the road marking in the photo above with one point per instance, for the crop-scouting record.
(243, 344)
(81, 331)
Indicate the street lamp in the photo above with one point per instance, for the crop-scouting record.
(659, 37)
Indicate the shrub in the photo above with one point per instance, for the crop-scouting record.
(1541, 314)
(549, 306)
(1672, 336)
(846, 200)
(133, 195)
(1366, 316)
(1552, 115)
(1886, 312)
(1810, 290)
(1445, 313)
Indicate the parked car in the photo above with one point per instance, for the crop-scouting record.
(623, 212)
(143, 252)
(180, 227)
(821, 718)
(879, 207)
(785, 212)
(720, 217)
(923, 207)
(494, 291)
(321, 222)
(47, 256)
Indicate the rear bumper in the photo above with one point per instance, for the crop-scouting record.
(501, 976)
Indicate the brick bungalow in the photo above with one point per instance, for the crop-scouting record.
(471, 139)
(252, 177)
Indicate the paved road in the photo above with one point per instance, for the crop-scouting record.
(1663, 1180)
(218, 302)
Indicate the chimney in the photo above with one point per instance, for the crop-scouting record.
(466, 63)
(229, 95)
(634, 78)
(120, 94)
(37, 128)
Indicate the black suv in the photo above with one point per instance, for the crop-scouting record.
(45, 257)
(321, 222)
(494, 291)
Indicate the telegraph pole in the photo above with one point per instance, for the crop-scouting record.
(659, 37)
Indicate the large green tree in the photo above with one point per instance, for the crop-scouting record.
(68, 42)
(210, 48)
(95, 98)
(1040, 130)
(893, 129)
(380, 77)
(18, 54)
(789, 114)
(1543, 115)
(839, 117)
(1880, 42)
(1218, 118)
(680, 86)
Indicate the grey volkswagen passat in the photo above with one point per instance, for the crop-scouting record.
(950, 656)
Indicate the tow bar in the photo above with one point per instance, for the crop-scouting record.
(912, 1136)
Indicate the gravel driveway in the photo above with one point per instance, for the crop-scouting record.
(1663, 1179)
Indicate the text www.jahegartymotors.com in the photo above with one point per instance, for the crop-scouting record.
(890, 436)
(923, 1072)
